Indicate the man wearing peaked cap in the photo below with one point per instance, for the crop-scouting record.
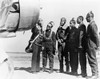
(93, 44)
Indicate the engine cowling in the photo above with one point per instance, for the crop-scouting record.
(18, 15)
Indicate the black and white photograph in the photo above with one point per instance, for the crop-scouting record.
(49, 39)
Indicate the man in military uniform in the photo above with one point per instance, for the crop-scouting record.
(60, 38)
(48, 43)
(54, 47)
(82, 45)
(73, 45)
(66, 49)
(93, 44)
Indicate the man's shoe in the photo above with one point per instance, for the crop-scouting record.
(33, 72)
(61, 71)
(84, 75)
(92, 77)
(67, 69)
(44, 69)
(74, 73)
(51, 71)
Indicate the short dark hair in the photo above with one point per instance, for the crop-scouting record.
(39, 22)
(81, 17)
(63, 18)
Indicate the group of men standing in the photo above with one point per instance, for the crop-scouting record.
(74, 45)
(70, 41)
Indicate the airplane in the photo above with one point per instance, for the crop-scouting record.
(18, 15)
(15, 15)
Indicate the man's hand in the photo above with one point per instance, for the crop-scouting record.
(42, 48)
(56, 51)
(31, 42)
(59, 40)
(59, 55)
(98, 48)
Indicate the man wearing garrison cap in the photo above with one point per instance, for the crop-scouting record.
(92, 44)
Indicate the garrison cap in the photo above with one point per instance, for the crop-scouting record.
(73, 20)
(90, 14)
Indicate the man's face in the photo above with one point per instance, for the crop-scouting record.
(40, 22)
(88, 18)
(52, 24)
(39, 28)
(48, 27)
(62, 22)
(72, 24)
(79, 20)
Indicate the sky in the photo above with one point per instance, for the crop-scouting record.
(53, 10)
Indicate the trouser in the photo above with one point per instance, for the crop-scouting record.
(67, 56)
(61, 57)
(48, 53)
(35, 58)
(61, 63)
(91, 54)
(82, 59)
(73, 60)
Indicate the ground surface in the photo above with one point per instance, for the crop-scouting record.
(22, 64)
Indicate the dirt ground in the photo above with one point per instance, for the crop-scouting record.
(22, 65)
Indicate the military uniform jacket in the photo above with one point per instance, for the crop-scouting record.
(60, 35)
(67, 34)
(92, 36)
(73, 38)
(82, 35)
(49, 39)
